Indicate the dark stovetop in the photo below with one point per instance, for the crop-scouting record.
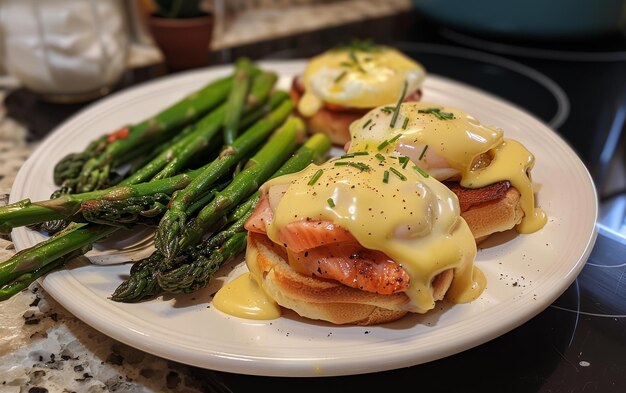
(578, 344)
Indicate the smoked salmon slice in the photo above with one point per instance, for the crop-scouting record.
(302, 235)
(299, 235)
(353, 266)
(325, 250)
(260, 217)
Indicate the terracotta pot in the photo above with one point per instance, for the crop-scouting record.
(185, 43)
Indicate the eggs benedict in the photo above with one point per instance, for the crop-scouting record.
(361, 239)
(490, 174)
(342, 84)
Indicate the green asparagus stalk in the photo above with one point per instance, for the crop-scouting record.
(258, 169)
(261, 87)
(26, 212)
(96, 170)
(23, 280)
(53, 226)
(175, 218)
(237, 99)
(23, 268)
(70, 166)
(32, 259)
(188, 278)
(125, 213)
(144, 210)
(191, 277)
(173, 159)
(79, 236)
(196, 267)
(143, 281)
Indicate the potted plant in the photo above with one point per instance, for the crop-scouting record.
(182, 29)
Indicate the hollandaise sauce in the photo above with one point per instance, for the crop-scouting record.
(244, 298)
(448, 143)
(358, 78)
(387, 205)
(512, 161)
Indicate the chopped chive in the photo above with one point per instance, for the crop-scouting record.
(421, 171)
(437, 113)
(340, 76)
(397, 173)
(380, 157)
(360, 165)
(396, 111)
(403, 160)
(387, 109)
(406, 123)
(395, 138)
(423, 152)
(356, 60)
(330, 201)
(341, 163)
(386, 177)
(367, 123)
(354, 154)
(383, 145)
(315, 177)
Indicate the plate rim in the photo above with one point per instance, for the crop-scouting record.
(286, 366)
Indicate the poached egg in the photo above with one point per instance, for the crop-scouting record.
(358, 76)
(449, 144)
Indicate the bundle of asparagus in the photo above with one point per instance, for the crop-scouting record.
(198, 211)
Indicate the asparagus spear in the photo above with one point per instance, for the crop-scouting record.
(26, 266)
(197, 274)
(95, 171)
(175, 218)
(74, 238)
(26, 212)
(196, 267)
(136, 201)
(23, 268)
(144, 210)
(173, 159)
(258, 169)
(52, 211)
(141, 283)
(262, 85)
(236, 99)
(32, 259)
(23, 280)
(143, 280)
(70, 166)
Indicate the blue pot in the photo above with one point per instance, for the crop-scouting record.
(552, 19)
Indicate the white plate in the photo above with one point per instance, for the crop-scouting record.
(525, 274)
